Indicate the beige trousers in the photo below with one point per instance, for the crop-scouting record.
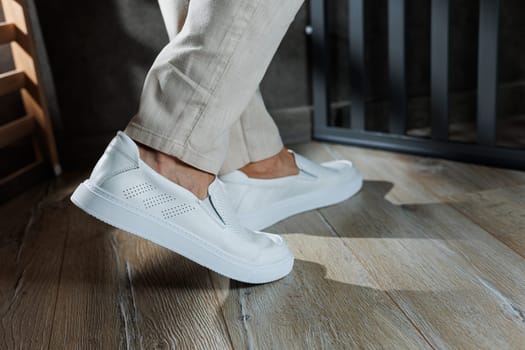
(200, 101)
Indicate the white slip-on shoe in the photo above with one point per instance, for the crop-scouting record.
(125, 192)
(260, 203)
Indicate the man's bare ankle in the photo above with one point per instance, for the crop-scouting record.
(280, 165)
(183, 174)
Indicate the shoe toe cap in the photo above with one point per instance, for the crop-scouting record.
(276, 239)
(274, 249)
(339, 165)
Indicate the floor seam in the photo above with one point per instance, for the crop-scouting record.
(222, 309)
(473, 221)
(59, 282)
(445, 200)
(412, 323)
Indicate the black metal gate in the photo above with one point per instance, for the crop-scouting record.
(484, 151)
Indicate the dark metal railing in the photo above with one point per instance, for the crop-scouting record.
(439, 145)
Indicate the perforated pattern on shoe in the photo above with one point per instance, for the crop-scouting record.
(137, 190)
(159, 199)
(177, 210)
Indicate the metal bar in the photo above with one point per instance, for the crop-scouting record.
(489, 18)
(397, 66)
(439, 71)
(496, 156)
(358, 74)
(320, 64)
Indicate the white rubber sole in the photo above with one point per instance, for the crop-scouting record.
(107, 208)
(298, 204)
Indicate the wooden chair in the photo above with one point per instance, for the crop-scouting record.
(27, 78)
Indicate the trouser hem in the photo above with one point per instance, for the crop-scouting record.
(166, 145)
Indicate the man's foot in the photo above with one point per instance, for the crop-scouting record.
(261, 202)
(280, 165)
(194, 180)
(124, 191)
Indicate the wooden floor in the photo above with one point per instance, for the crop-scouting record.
(430, 254)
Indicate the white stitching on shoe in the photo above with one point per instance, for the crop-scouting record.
(116, 172)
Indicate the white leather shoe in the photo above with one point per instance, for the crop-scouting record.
(260, 203)
(126, 193)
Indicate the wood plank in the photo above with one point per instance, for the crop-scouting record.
(458, 284)
(328, 301)
(130, 293)
(7, 33)
(11, 81)
(87, 313)
(501, 212)
(16, 130)
(174, 302)
(422, 179)
(436, 180)
(14, 13)
(31, 246)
